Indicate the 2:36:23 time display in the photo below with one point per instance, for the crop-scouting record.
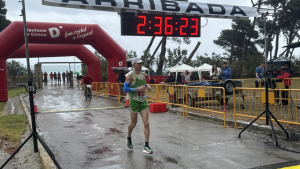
(161, 25)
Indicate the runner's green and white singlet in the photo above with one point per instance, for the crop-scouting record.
(138, 96)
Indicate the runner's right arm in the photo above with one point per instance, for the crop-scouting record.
(126, 87)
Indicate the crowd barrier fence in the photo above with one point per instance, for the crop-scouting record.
(247, 101)
(283, 103)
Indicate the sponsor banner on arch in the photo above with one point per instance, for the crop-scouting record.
(159, 6)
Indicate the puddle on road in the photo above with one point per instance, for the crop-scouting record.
(95, 126)
(113, 131)
(114, 158)
(69, 115)
(102, 150)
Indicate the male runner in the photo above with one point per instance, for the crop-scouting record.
(136, 85)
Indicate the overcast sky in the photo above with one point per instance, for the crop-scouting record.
(110, 22)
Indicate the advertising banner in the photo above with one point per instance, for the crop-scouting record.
(159, 7)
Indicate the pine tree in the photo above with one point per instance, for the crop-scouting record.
(3, 21)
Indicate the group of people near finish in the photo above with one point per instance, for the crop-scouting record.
(275, 75)
(216, 74)
(57, 77)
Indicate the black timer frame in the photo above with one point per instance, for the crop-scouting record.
(170, 25)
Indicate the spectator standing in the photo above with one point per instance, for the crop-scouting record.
(273, 83)
(45, 77)
(171, 78)
(55, 76)
(59, 78)
(186, 76)
(121, 81)
(286, 72)
(259, 74)
(79, 80)
(51, 76)
(226, 72)
(63, 76)
(214, 73)
(68, 76)
(179, 80)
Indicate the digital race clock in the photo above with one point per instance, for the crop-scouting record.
(141, 24)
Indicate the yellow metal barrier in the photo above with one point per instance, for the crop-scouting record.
(153, 94)
(201, 98)
(99, 88)
(113, 89)
(170, 94)
(205, 98)
(283, 103)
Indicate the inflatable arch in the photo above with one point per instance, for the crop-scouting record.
(80, 51)
(12, 38)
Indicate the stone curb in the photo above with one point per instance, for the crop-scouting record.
(46, 161)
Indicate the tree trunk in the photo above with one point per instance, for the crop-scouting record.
(276, 44)
(150, 44)
(161, 56)
(245, 51)
(291, 38)
(193, 52)
(152, 56)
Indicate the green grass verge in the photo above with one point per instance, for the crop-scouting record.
(12, 93)
(15, 92)
(12, 127)
(2, 104)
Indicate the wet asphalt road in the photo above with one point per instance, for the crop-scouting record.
(91, 134)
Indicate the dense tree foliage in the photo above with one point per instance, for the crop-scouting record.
(15, 68)
(103, 66)
(3, 21)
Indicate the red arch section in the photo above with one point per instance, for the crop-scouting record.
(52, 50)
(12, 38)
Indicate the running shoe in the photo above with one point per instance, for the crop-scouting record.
(147, 150)
(129, 144)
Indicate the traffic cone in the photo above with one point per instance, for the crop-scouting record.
(34, 107)
(127, 100)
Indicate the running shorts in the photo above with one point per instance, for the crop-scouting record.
(136, 106)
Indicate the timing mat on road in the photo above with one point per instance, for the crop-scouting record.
(284, 165)
(84, 109)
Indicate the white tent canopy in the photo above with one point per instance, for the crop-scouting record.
(169, 68)
(182, 68)
(207, 68)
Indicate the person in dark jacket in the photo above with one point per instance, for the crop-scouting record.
(226, 72)
(58, 78)
(45, 77)
(171, 78)
(55, 76)
(121, 81)
(64, 77)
